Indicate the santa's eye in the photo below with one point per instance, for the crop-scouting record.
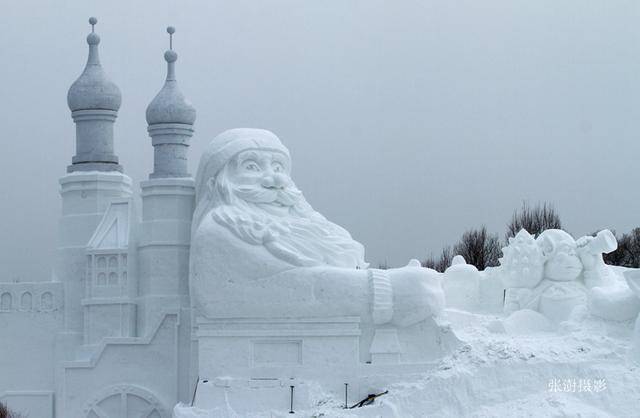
(277, 167)
(251, 166)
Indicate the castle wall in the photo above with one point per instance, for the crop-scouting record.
(85, 198)
(31, 315)
(144, 369)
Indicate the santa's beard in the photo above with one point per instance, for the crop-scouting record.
(282, 221)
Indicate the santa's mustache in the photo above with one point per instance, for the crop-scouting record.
(287, 196)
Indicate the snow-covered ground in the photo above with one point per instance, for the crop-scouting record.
(580, 370)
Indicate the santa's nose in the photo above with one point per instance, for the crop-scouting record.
(274, 181)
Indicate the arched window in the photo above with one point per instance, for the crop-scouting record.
(46, 301)
(26, 301)
(102, 279)
(6, 302)
(113, 262)
(125, 401)
(113, 279)
(102, 262)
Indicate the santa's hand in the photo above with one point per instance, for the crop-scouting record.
(417, 294)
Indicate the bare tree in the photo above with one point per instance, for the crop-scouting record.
(533, 219)
(628, 252)
(5, 412)
(384, 266)
(479, 248)
(441, 263)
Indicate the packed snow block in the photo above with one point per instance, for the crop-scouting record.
(632, 277)
(471, 290)
(254, 397)
(272, 349)
(619, 298)
(385, 348)
(635, 345)
(491, 291)
(461, 284)
(617, 304)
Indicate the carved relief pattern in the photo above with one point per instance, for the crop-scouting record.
(20, 298)
(106, 270)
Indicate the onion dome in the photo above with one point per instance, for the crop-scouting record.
(170, 105)
(93, 90)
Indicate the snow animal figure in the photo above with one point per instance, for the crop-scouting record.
(259, 250)
(553, 273)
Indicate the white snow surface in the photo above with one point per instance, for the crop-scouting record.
(506, 375)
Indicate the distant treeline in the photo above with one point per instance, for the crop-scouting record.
(483, 249)
(5, 412)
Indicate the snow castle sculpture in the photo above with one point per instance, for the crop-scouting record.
(109, 335)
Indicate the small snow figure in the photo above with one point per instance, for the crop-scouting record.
(599, 385)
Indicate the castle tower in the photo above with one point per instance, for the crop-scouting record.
(94, 178)
(94, 101)
(170, 117)
(167, 209)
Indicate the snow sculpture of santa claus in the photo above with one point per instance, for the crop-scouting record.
(259, 250)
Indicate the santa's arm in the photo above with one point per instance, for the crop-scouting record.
(332, 291)
(260, 285)
(373, 294)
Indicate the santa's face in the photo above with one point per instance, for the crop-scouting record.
(262, 177)
(565, 265)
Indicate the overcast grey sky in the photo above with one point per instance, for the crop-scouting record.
(408, 121)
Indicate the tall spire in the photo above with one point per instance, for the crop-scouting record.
(93, 89)
(170, 117)
(170, 105)
(94, 101)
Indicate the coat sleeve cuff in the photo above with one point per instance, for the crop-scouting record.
(382, 296)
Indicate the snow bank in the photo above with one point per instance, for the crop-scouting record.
(617, 301)
(527, 321)
(581, 370)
